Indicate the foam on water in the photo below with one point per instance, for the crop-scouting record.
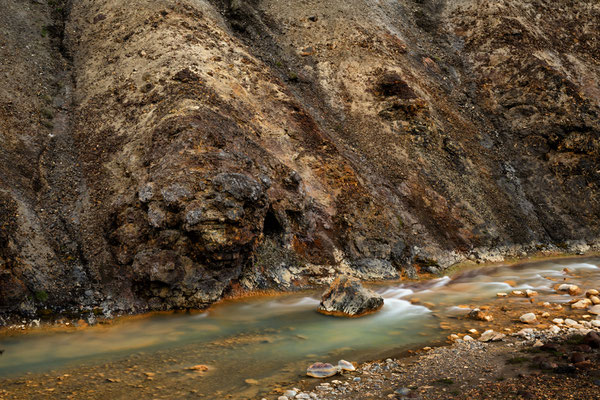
(395, 292)
(582, 266)
(396, 307)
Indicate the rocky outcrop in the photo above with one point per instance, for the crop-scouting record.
(346, 297)
(159, 155)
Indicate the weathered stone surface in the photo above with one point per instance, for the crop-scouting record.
(130, 140)
(347, 297)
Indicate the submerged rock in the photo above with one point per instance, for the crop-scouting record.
(346, 297)
(322, 370)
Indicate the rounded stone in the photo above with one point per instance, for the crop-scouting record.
(595, 310)
(528, 318)
(346, 365)
(321, 370)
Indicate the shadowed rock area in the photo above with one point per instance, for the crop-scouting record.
(164, 154)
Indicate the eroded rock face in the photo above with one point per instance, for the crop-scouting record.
(346, 297)
(159, 154)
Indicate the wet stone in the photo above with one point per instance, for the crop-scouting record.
(347, 297)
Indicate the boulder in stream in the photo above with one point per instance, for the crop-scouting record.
(348, 298)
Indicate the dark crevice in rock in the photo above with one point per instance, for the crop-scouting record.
(272, 227)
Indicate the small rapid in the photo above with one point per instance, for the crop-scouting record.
(274, 339)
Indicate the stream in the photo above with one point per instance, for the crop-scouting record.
(251, 344)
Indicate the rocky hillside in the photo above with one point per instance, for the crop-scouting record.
(161, 154)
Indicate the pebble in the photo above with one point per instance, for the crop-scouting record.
(473, 331)
(283, 398)
(558, 321)
(554, 329)
(581, 304)
(501, 294)
(491, 336)
(592, 292)
(290, 393)
(357, 379)
(199, 368)
(528, 318)
(572, 289)
(595, 323)
(321, 370)
(527, 332)
(402, 391)
(570, 322)
(595, 299)
(480, 315)
(595, 310)
(346, 366)
(545, 314)
(530, 293)
(468, 338)
(517, 293)
(304, 396)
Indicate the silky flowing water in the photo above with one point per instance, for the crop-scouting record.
(250, 344)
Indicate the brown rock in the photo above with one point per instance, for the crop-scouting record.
(346, 297)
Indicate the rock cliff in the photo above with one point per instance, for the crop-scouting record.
(160, 154)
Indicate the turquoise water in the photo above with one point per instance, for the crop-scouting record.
(271, 339)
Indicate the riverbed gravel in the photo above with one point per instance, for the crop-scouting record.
(530, 360)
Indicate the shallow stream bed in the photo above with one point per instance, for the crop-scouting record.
(249, 345)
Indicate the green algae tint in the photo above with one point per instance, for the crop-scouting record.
(267, 340)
